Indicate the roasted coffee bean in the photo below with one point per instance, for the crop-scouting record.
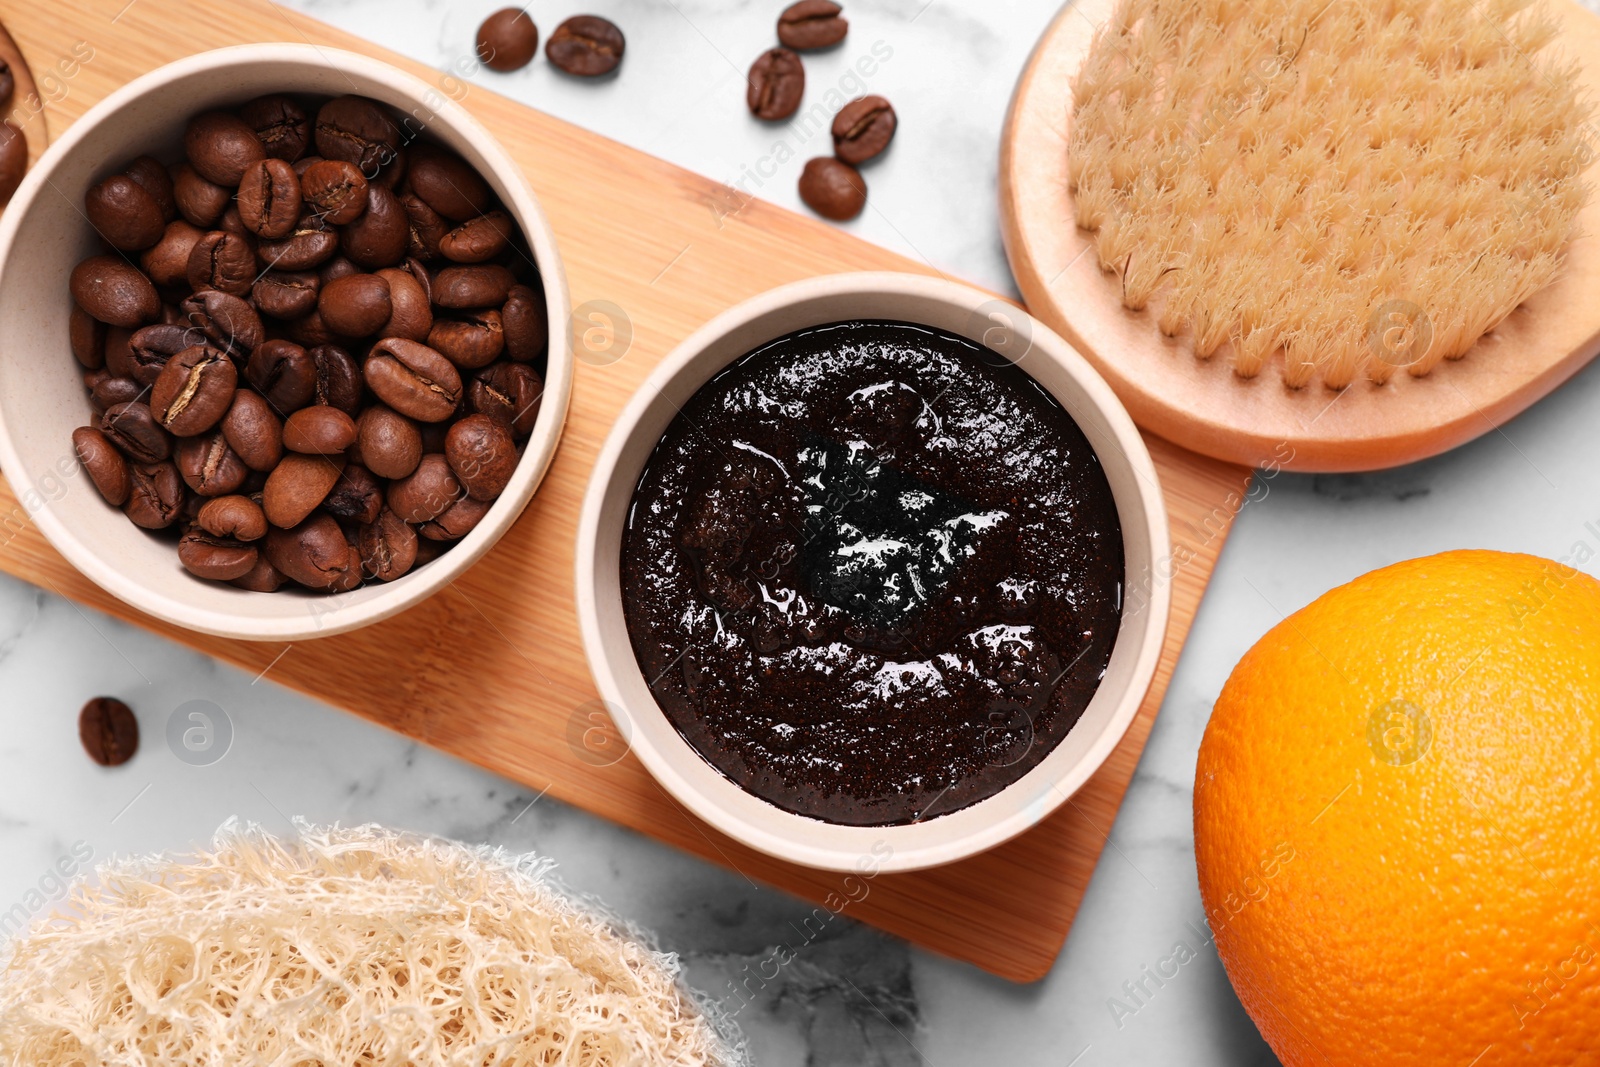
(812, 24)
(167, 262)
(155, 495)
(356, 305)
(357, 130)
(107, 728)
(456, 521)
(526, 324)
(388, 546)
(390, 444)
(199, 201)
(447, 185)
(311, 331)
(319, 430)
(234, 516)
(776, 85)
(152, 175)
(411, 315)
(356, 497)
(313, 554)
(833, 189)
(427, 492)
(586, 45)
(119, 353)
(281, 125)
(209, 466)
(151, 347)
(478, 240)
(13, 158)
(309, 245)
(269, 198)
(106, 466)
(222, 260)
(471, 341)
(116, 293)
(87, 336)
(425, 227)
(338, 379)
(135, 431)
(124, 213)
(507, 39)
(379, 237)
(221, 147)
(336, 268)
(253, 431)
(284, 374)
(297, 485)
(335, 190)
(195, 389)
(109, 392)
(413, 379)
(286, 294)
(482, 455)
(221, 559)
(482, 285)
(863, 128)
(228, 321)
(509, 392)
(262, 578)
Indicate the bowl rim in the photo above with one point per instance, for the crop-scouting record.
(539, 452)
(804, 840)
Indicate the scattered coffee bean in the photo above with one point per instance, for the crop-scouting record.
(135, 432)
(427, 492)
(586, 45)
(200, 202)
(286, 294)
(390, 443)
(777, 83)
(484, 285)
(221, 146)
(115, 292)
(313, 553)
(833, 189)
(357, 130)
(338, 379)
(413, 379)
(478, 240)
(194, 391)
(509, 392)
(319, 430)
(355, 305)
(87, 336)
(388, 547)
(526, 325)
(474, 339)
(270, 198)
(425, 227)
(862, 129)
(379, 237)
(209, 466)
(812, 24)
(105, 465)
(284, 374)
(124, 213)
(507, 39)
(335, 190)
(13, 158)
(356, 497)
(109, 392)
(167, 261)
(236, 517)
(410, 315)
(253, 431)
(220, 559)
(296, 486)
(456, 521)
(280, 124)
(228, 321)
(482, 455)
(155, 495)
(108, 730)
(310, 244)
(222, 260)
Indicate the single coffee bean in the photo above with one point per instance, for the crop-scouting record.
(356, 305)
(281, 125)
(13, 158)
(222, 260)
(296, 486)
(135, 431)
(427, 492)
(209, 466)
(507, 39)
(155, 495)
(221, 147)
(586, 45)
(478, 240)
(253, 431)
(379, 237)
(390, 444)
(270, 198)
(220, 559)
(87, 336)
(833, 189)
(413, 379)
(285, 294)
(150, 348)
(262, 578)
(482, 455)
(106, 467)
(310, 244)
(448, 185)
(153, 177)
(812, 24)
(109, 392)
(108, 730)
(338, 379)
(481, 285)
(411, 315)
(314, 554)
(356, 497)
(116, 293)
(200, 202)
(124, 213)
(194, 391)
(777, 84)
(335, 190)
(228, 321)
(237, 517)
(510, 393)
(319, 430)
(456, 521)
(862, 129)
(526, 323)
(471, 341)
(167, 261)
(357, 130)
(284, 374)
(425, 228)
(388, 546)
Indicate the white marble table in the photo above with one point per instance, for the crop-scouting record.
(854, 996)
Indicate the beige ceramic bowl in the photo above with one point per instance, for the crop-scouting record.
(1055, 366)
(44, 233)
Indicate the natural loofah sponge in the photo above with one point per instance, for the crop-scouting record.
(344, 947)
(1356, 185)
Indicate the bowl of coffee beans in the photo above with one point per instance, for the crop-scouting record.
(276, 356)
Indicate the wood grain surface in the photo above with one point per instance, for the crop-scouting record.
(1203, 405)
(669, 249)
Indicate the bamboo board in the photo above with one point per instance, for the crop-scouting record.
(672, 249)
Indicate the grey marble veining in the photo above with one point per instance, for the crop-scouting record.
(851, 995)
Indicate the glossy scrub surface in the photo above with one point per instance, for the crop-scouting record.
(873, 573)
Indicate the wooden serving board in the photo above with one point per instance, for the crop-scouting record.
(1202, 404)
(671, 249)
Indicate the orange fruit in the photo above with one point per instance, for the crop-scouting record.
(1397, 819)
